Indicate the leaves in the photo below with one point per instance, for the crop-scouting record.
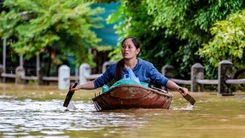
(173, 31)
(34, 25)
(228, 42)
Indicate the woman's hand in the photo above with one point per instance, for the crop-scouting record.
(183, 91)
(87, 86)
(72, 87)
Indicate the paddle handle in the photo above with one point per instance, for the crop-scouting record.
(181, 90)
(188, 97)
(69, 96)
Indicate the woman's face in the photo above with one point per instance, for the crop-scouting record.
(129, 50)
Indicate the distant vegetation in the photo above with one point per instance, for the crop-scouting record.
(179, 33)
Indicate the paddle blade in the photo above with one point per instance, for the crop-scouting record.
(188, 97)
(69, 96)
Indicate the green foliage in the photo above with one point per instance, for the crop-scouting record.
(136, 22)
(189, 21)
(172, 31)
(65, 25)
(228, 42)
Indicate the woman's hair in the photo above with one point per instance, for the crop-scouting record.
(120, 63)
(134, 40)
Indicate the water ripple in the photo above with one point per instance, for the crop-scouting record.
(50, 118)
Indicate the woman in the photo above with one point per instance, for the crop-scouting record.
(142, 69)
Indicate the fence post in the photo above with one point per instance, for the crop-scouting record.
(168, 71)
(1, 71)
(64, 72)
(40, 77)
(197, 72)
(84, 72)
(19, 72)
(224, 73)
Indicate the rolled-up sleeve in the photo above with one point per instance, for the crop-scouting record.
(156, 76)
(106, 77)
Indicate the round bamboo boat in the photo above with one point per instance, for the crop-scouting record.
(128, 96)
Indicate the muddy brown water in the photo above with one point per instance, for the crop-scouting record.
(36, 111)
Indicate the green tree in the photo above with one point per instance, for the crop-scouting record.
(135, 21)
(172, 31)
(228, 41)
(64, 25)
(190, 21)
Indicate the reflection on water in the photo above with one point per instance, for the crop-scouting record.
(50, 118)
(37, 111)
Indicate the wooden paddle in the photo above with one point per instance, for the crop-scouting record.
(69, 96)
(188, 97)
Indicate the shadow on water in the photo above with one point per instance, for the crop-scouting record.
(37, 111)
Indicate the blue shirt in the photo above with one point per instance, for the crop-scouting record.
(144, 70)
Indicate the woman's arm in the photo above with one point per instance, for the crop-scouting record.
(106, 77)
(172, 85)
(87, 86)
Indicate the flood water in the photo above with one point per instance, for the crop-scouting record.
(36, 111)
